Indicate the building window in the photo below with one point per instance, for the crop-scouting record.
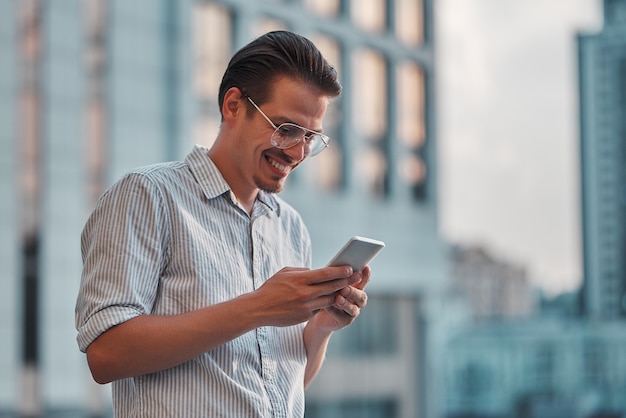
(325, 8)
(544, 367)
(267, 24)
(369, 15)
(370, 93)
(411, 114)
(411, 106)
(210, 58)
(326, 169)
(30, 113)
(409, 21)
(474, 382)
(369, 104)
(595, 363)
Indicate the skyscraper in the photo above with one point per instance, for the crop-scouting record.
(603, 164)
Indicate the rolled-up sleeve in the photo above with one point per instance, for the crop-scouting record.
(124, 250)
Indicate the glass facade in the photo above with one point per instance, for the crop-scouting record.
(210, 58)
(514, 368)
(10, 302)
(603, 162)
(365, 408)
(62, 198)
(93, 88)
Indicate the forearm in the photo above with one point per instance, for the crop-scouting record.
(148, 343)
(316, 343)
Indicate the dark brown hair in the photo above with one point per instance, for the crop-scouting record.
(280, 53)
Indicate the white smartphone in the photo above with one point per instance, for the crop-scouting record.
(357, 252)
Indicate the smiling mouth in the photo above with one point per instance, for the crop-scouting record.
(277, 165)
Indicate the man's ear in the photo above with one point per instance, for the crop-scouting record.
(233, 106)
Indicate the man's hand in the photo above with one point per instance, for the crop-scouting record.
(294, 295)
(347, 305)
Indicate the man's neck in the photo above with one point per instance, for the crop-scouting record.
(245, 197)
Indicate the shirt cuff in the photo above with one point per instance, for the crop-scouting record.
(102, 321)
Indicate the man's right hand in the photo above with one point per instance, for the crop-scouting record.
(295, 295)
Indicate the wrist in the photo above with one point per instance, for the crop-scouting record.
(316, 326)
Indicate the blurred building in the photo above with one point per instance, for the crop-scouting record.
(518, 358)
(494, 289)
(557, 363)
(602, 63)
(90, 89)
(539, 368)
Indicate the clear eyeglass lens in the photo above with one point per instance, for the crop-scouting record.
(287, 135)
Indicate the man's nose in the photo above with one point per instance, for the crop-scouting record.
(297, 152)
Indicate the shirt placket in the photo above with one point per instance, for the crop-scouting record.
(269, 364)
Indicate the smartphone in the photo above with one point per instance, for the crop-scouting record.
(357, 252)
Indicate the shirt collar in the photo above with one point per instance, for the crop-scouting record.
(213, 183)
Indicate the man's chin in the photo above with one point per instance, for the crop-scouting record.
(270, 187)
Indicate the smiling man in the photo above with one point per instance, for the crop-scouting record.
(268, 144)
(197, 298)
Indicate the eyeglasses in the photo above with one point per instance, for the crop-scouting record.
(287, 135)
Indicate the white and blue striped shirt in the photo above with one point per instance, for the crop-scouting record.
(171, 238)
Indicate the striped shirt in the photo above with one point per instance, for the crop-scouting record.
(171, 238)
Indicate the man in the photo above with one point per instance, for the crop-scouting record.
(197, 298)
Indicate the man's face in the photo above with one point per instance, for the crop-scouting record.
(290, 101)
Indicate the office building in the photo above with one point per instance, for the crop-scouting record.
(542, 367)
(602, 63)
(90, 89)
(493, 288)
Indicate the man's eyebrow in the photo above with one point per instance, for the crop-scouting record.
(285, 119)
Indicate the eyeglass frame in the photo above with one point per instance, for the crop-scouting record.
(323, 138)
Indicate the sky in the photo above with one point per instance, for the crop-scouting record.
(507, 131)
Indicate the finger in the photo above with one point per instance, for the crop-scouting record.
(347, 307)
(327, 274)
(342, 316)
(353, 312)
(365, 278)
(294, 269)
(333, 285)
(354, 295)
(323, 302)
